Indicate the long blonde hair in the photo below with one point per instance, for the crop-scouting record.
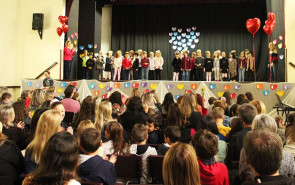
(37, 98)
(103, 114)
(186, 105)
(148, 99)
(6, 113)
(48, 125)
(180, 166)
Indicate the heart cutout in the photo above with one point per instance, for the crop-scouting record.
(143, 84)
(59, 90)
(96, 93)
(102, 86)
(233, 95)
(146, 91)
(127, 85)
(154, 86)
(286, 87)
(117, 85)
(180, 86)
(104, 96)
(194, 86)
(259, 86)
(187, 91)
(273, 86)
(281, 37)
(275, 41)
(73, 83)
(170, 86)
(237, 87)
(63, 84)
(212, 86)
(29, 84)
(265, 92)
(135, 85)
(281, 57)
(280, 45)
(38, 85)
(227, 87)
(176, 96)
(109, 88)
(220, 94)
(91, 86)
(280, 93)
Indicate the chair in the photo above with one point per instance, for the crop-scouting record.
(90, 183)
(155, 167)
(129, 166)
(156, 146)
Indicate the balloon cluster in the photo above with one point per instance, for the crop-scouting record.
(270, 23)
(64, 28)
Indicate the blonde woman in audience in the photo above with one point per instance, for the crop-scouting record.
(49, 95)
(48, 125)
(180, 166)
(36, 101)
(150, 101)
(260, 106)
(103, 115)
(14, 131)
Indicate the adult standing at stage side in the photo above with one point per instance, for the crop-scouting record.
(273, 55)
(158, 64)
(69, 52)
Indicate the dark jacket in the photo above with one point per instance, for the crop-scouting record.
(272, 180)
(130, 118)
(199, 61)
(17, 135)
(90, 63)
(186, 63)
(176, 63)
(194, 124)
(224, 65)
(135, 64)
(47, 82)
(154, 137)
(208, 64)
(163, 149)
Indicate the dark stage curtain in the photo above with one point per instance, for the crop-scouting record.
(221, 27)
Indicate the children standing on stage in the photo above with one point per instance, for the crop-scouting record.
(208, 66)
(152, 67)
(185, 66)
(117, 64)
(140, 56)
(126, 64)
(193, 73)
(84, 67)
(242, 66)
(199, 65)
(99, 66)
(144, 66)
(232, 66)
(223, 66)
(176, 63)
(135, 66)
(216, 65)
(108, 66)
(250, 67)
(158, 64)
(90, 66)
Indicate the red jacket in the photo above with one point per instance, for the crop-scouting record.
(192, 63)
(145, 62)
(242, 62)
(126, 63)
(68, 54)
(213, 174)
(186, 63)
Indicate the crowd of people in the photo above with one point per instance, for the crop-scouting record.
(63, 141)
(148, 66)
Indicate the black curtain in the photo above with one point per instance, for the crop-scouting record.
(221, 27)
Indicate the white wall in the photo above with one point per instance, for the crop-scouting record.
(28, 54)
(106, 29)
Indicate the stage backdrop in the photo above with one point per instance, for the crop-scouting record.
(221, 27)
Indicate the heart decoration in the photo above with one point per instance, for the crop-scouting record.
(135, 85)
(265, 92)
(29, 84)
(59, 31)
(104, 96)
(180, 86)
(177, 96)
(280, 93)
(188, 29)
(81, 48)
(69, 38)
(194, 28)
(117, 85)
(62, 19)
(143, 84)
(146, 91)
(154, 86)
(286, 87)
(281, 57)
(90, 46)
(170, 86)
(96, 93)
(109, 88)
(174, 28)
(179, 36)
(102, 86)
(196, 41)
(273, 86)
(95, 46)
(220, 94)
(183, 34)
(63, 84)
(174, 47)
(76, 34)
(59, 90)
(76, 89)
(38, 85)
(237, 87)
(179, 30)
(65, 28)
(212, 86)
(170, 34)
(253, 25)
(187, 91)
(171, 41)
(91, 86)
(226, 87)
(281, 37)
(72, 36)
(194, 86)
(280, 45)
(198, 34)
(192, 33)
(259, 86)
(73, 83)
(173, 38)
(193, 46)
(275, 41)
(175, 33)
(127, 85)
(233, 95)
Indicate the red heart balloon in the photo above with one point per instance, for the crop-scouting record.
(65, 28)
(271, 16)
(59, 31)
(253, 25)
(63, 19)
(268, 29)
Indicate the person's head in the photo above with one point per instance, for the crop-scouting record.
(7, 116)
(135, 104)
(115, 132)
(227, 96)
(139, 51)
(152, 54)
(34, 122)
(247, 114)
(148, 99)
(90, 141)
(173, 116)
(139, 133)
(48, 125)
(271, 46)
(62, 152)
(233, 110)
(47, 74)
(171, 134)
(37, 97)
(153, 122)
(68, 43)
(218, 113)
(205, 143)
(200, 100)
(208, 54)
(279, 120)
(144, 53)
(90, 55)
(127, 55)
(231, 55)
(264, 150)
(240, 98)
(158, 53)
(180, 166)
(135, 55)
(69, 91)
(58, 106)
(242, 54)
(20, 111)
(220, 103)
(49, 95)
(249, 96)
(208, 123)
(103, 114)
(168, 100)
(249, 54)
(82, 126)
(264, 121)
(259, 105)
(199, 53)
(223, 54)
(87, 109)
(45, 104)
(194, 54)
(211, 100)
(246, 51)
(185, 53)
(186, 107)
(177, 54)
(135, 92)
(3, 137)
(116, 97)
(26, 94)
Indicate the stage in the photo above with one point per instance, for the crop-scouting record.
(263, 91)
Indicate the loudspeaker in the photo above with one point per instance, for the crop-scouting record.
(38, 21)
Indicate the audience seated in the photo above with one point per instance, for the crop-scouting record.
(281, 127)
(6, 99)
(86, 111)
(34, 123)
(22, 115)
(259, 105)
(173, 116)
(69, 104)
(168, 100)
(200, 101)
(81, 127)
(103, 117)
(171, 137)
(60, 156)
(139, 136)
(212, 172)
(153, 124)
(211, 101)
(264, 153)
(26, 95)
(36, 101)
(180, 166)
(92, 167)
(222, 104)
(290, 135)
(218, 116)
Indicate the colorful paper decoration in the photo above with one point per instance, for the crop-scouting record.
(259, 86)
(265, 92)
(180, 86)
(102, 86)
(280, 93)
(273, 86)
(194, 86)
(212, 86)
